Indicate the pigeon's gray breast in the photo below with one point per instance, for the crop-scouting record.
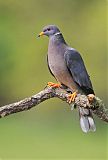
(57, 64)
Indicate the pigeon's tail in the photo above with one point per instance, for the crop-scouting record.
(86, 120)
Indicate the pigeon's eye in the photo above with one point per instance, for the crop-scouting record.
(48, 29)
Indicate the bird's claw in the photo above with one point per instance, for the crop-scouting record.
(71, 97)
(54, 85)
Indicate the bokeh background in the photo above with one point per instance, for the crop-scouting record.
(50, 130)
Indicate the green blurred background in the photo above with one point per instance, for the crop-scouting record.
(51, 130)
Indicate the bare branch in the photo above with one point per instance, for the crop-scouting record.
(96, 106)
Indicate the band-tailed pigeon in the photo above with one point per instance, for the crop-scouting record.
(67, 66)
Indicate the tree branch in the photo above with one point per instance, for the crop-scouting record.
(96, 106)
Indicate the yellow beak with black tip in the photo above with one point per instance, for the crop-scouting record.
(41, 34)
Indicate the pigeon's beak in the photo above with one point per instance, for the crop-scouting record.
(41, 34)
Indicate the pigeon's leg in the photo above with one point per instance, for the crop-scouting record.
(91, 97)
(71, 97)
(54, 85)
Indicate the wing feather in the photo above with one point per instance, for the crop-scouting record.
(78, 71)
(49, 67)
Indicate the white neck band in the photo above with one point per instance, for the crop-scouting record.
(57, 33)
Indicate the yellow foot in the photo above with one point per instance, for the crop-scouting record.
(71, 97)
(54, 85)
(91, 97)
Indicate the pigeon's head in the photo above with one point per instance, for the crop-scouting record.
(49, 30)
